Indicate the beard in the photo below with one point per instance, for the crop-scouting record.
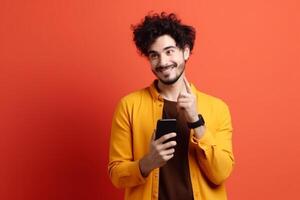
(175, 79)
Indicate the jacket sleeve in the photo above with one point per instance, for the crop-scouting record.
(123, 169)
(214, 150)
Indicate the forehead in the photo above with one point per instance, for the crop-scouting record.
(162, 42)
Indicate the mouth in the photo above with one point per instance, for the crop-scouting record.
(165, 70)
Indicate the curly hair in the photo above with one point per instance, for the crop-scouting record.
(155, 25)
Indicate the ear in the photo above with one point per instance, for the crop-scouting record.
(186, 52)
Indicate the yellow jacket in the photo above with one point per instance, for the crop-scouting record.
(210, 158)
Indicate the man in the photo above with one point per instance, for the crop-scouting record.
(190, 164)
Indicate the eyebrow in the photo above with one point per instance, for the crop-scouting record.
(164, 49)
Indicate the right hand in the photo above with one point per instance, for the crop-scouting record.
(159, 153)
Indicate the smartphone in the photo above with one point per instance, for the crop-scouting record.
(165, 126)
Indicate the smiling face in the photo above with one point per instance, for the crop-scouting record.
(167, 60)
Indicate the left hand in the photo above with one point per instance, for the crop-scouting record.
(187, 102)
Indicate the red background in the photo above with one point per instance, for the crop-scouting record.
(65, 64)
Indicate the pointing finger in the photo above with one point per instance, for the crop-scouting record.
(187, 86)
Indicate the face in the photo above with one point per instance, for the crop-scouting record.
(167, 60)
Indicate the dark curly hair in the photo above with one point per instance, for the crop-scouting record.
(155, 25)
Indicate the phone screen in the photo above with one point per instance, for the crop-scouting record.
(165, 126)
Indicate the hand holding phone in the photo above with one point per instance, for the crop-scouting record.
(161, 150)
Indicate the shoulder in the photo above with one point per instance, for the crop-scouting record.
(135, 97)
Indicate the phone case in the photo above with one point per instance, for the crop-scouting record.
(165, 126)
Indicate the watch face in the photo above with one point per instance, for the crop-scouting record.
(198, 123)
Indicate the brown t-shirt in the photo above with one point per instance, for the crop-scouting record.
(174, 177)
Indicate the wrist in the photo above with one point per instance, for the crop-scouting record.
(191, 118)
(145, 166)
(194, 119)
(199, 132)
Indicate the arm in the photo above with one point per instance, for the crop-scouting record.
(214, 151)
(123, 170)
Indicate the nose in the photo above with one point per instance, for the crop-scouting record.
(163, 61)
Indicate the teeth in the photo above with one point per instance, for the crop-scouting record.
(165, 69)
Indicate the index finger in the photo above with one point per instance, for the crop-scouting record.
(166, 137)
(187, 86)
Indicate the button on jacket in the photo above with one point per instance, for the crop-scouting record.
(210, 158)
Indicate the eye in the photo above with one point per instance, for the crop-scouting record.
(169, 52)
(153, 56)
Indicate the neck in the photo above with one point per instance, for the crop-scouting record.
(171, 92)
